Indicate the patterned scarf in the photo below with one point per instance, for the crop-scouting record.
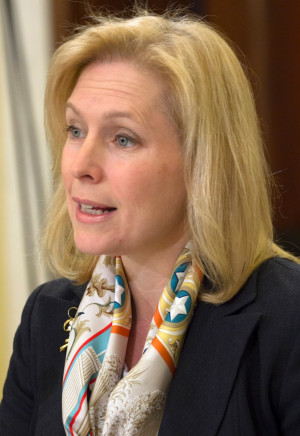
(96, 399)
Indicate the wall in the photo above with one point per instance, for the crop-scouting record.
(22, 78)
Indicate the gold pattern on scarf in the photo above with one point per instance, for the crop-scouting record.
(98, 285)
(67, 326)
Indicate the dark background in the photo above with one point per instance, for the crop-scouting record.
(267, 36)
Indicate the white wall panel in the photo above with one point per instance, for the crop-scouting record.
(21, 270)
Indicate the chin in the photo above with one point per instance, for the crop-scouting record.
(90, 244)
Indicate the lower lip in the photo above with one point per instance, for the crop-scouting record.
(87, 218)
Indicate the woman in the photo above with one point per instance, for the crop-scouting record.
(190, 323)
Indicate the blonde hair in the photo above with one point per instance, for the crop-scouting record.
(210, 100)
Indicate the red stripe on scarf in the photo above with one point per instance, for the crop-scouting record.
(76, 414)
(83, 345)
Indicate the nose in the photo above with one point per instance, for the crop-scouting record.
(88, 161)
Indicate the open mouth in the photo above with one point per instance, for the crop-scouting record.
(93, 210)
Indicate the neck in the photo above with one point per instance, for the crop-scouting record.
(148, 274)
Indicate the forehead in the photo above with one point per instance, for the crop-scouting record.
(120, 79)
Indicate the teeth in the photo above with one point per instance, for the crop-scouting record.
(88, 208)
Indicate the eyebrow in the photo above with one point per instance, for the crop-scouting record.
(106, 116)
(71, 106)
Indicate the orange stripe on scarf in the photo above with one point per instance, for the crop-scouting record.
(157, 318)
(119, 330)
(164, 354)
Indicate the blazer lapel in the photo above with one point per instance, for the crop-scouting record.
(52, 313)
(208, 365)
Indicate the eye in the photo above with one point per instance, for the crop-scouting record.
(75, 132)
(125, 141)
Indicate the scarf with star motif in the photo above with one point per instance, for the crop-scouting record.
(98, 398)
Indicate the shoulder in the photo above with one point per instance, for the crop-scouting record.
(272, 293)
(59, 289)
(278, 271)
(275, 289)
(277, 284)
(272, 288)
(50, 302)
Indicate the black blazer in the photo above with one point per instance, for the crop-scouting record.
(238, 373)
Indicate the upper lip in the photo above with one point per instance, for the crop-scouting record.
(92, 203)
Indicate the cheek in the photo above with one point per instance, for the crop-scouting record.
(159, 184)
(171, 191)
(65, 169)
(170, 177)
(67, 181)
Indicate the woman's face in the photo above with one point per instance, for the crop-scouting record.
(122, 163)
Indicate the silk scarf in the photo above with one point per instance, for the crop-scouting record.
(98, 399)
